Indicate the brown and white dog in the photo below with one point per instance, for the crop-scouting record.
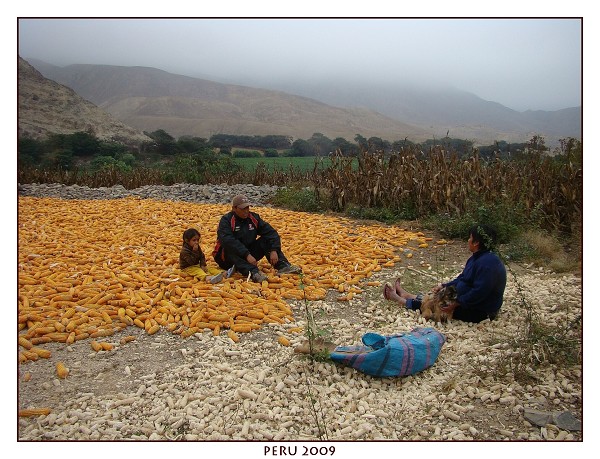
(440, 305)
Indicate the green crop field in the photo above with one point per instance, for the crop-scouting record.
(283, 163)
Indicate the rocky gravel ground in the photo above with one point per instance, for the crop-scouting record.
(207, 388)
(211, 194)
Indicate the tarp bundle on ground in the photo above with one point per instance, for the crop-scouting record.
(394, 355)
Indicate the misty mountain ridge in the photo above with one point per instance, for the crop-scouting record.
(149, 99)
(459, 110)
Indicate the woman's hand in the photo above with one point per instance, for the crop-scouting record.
(273, 258)
(449, 307)
(250, 259)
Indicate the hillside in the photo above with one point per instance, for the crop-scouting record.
(48, 107)
(151, 99)
(464, 114)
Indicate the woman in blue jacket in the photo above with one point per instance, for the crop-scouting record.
(480, 287)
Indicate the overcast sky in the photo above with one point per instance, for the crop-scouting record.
(520, 63)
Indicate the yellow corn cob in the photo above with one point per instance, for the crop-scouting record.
(189, 332)
(283, 340)
(127, 339)
(34, 412)
(233, 335)
(61, 370)
(29, 355)
(44, 353)
(153, 329)
(25, 342)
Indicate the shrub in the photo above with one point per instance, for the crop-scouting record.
(107, 162)
(63, 159)
(271, 153)
(246, 154)
(381, 214)
(30, 151)
(298, 199)
(128, 159)
(113, 149)
(505, 217)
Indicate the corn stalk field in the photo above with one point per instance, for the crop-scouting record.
(447, 184)
(435, 183)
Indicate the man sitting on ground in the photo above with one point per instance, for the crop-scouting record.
(243, 238)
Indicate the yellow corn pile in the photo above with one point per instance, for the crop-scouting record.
(90, 268)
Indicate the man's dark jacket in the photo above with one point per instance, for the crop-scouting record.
(235, 235)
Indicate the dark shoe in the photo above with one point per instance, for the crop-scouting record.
(258, 277)
(289, 269)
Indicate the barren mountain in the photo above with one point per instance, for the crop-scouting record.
(48, 107)
(151, 99)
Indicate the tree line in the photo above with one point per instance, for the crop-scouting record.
(66, 151)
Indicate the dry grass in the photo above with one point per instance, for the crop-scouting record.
(550, 252)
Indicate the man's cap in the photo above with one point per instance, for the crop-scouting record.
(240, 201)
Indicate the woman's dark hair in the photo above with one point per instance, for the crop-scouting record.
(485, 235)
(190, 233)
